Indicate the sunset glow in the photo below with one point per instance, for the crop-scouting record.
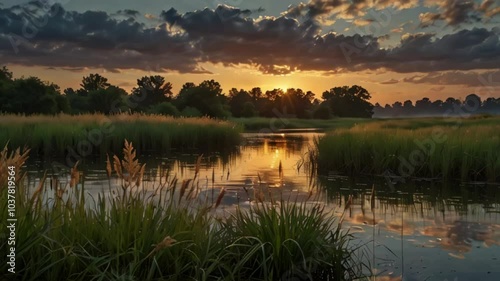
(400, 51)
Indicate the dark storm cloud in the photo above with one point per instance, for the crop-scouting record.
(55, 37)
(478, 48)
(229, 36)
(275, 42)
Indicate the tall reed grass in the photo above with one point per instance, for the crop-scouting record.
(466, 149)
(65, 134)
(167, 232)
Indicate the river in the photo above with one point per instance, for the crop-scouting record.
(420, 230)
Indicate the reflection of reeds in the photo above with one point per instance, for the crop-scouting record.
(39, 189)
(74, 176)
(219, 198)
(372, 198)
(184, 186)
(109, 170)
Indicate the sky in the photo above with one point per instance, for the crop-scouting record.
(397, 50)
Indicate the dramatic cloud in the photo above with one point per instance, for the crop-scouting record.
(488, 7)
(282, 41)
(231, 36)
(344, 8)
(478, 48)
(428, 19)
(51, 36)
(456, 12)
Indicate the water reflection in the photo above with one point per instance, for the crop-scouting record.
(424, 231)
(419, 230)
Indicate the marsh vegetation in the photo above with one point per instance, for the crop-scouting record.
(97, 134)
(168, 232)
(467, 149)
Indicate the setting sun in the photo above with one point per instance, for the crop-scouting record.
(284, 87)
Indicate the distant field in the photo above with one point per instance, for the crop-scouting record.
(54, 135)
(454, 148)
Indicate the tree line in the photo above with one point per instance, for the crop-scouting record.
(153, 94)
(472, 104)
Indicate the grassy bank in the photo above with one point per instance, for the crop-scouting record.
(96, 133)
(275, 124)
(466, 149)
(166, 233)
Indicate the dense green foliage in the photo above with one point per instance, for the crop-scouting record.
(153, 94)
(349, 101)
(452, 148)
(207, 98)
(30, 95)
(151, 91)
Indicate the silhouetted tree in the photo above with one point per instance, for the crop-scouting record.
(78, 101)
(408, 105)
(256, 93)
(491, 105)
(323, 111)
(349, 101)
(165, 108)
(152, 90)
(437, 106)
(31, 95)
(397, 108)
(5, 84)
(238, 100)
(450, 107)
(94, 82)
(297, 102)
(423, 106)
(207, 98)
(154, 95)
(274, 94)
(449, 104)
(270, 103)
(5, 75)
(249, 110)
(107, 101)
(472, 102)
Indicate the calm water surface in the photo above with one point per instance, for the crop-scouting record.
(419, 230)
